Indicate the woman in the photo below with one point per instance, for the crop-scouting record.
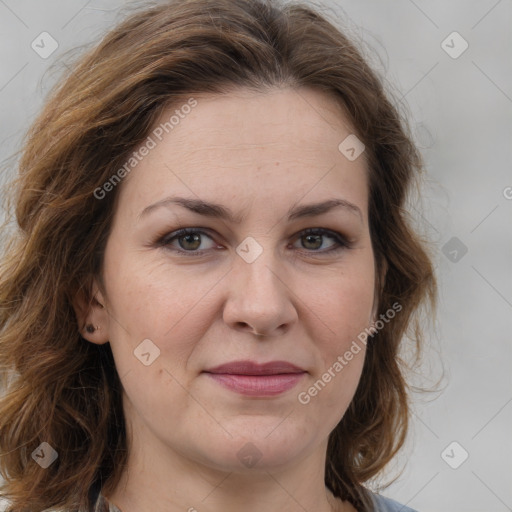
(203, 304)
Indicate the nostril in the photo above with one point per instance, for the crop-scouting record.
(243, 325)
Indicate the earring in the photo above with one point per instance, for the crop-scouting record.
(90, 328)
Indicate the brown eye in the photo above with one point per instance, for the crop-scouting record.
(189, 240)
(314, 239)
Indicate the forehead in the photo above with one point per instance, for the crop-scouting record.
(302, 119)
(281, 143)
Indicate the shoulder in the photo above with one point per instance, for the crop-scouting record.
(383, 504)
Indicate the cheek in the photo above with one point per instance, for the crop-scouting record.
(344, 312)
(152, 296)
(345, 304)
(152, 301)
(341, 349)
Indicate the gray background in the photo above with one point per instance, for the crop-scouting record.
(460, 112)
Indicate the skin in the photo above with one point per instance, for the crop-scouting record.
(258, 154)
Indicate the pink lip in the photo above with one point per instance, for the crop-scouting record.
(249, 378)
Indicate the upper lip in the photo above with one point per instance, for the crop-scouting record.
(252, 368)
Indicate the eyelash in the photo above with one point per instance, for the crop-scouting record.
(165, 241)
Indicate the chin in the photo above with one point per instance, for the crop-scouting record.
(260, 443)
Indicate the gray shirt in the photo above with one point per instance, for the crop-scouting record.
(383, 504)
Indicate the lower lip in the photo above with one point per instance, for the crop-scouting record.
(258, 385)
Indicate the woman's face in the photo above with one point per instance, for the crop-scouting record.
(241, 172)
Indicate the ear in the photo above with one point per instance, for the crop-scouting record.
(91, 313)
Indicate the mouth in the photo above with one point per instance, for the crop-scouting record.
(253, 379)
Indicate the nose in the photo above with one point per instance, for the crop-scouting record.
(260, 300)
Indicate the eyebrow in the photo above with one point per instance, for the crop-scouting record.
(221, 212)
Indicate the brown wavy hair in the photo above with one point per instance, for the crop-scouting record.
(59, 389)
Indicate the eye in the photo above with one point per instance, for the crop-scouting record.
(189, 241)
(313, 239)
